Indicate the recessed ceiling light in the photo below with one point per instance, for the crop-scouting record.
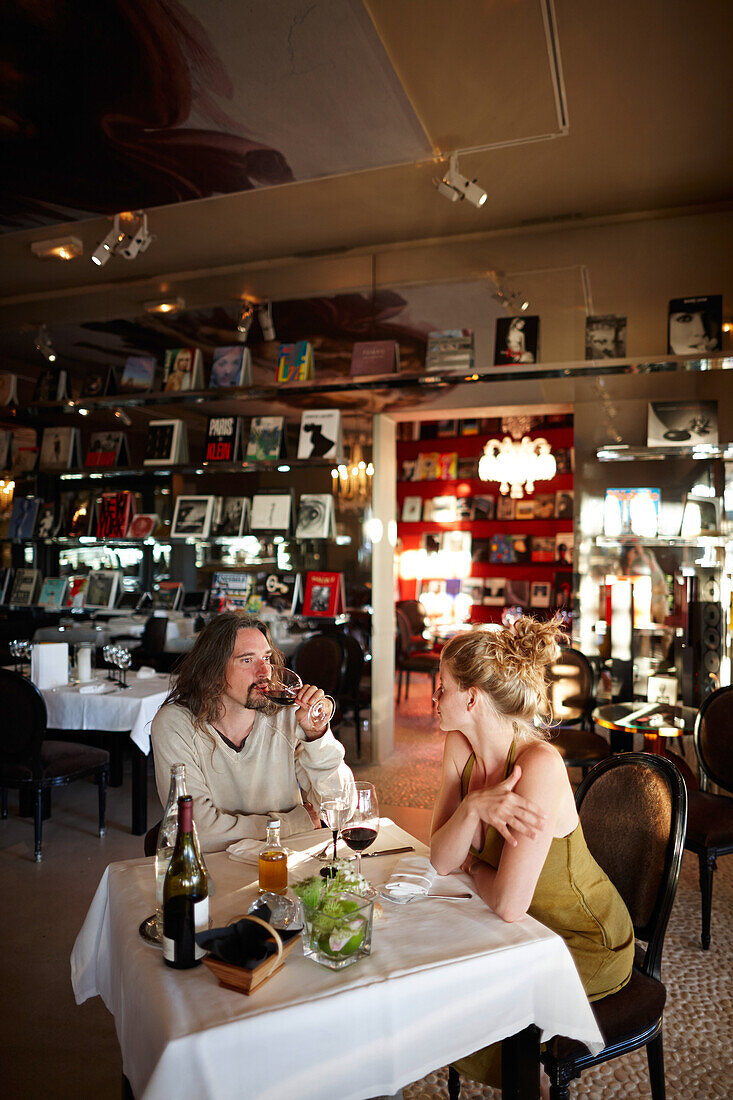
(165, 305)
(63, 248)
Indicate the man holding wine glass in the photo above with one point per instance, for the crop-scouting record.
(255, 740)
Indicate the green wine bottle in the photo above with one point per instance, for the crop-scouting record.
(185, 896)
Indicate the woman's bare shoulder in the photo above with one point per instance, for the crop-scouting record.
(541, 756)
(456, 749)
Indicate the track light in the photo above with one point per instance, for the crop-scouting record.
(137, 242)
(128, 237)
(44, 345)
(454, 186)
(264, 313)
(244, 320)
(106, 248)
(122, 415)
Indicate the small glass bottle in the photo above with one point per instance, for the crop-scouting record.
(273, 861)
(167, 834)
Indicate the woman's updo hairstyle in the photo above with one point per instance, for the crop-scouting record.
(509, 665)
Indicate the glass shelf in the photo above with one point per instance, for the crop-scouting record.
(624, 452)
(663, 540)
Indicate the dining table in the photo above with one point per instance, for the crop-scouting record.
(445, 977)
(106, 708)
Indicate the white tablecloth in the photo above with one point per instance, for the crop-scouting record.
(130, 709)
(444, 978)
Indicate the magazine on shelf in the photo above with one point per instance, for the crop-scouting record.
(51, 386)
(223, 439)
(60, 449)
(320, 434)
(99, 382)
(272, 512)
(265, 441)
(25, 586)
(107, 449)
(192, 517)
(230, 514)
(101, 589)
(168, 596)
(8, 388)
(23, 451)
(324, 594)
(375, 357)
(295, 362)
(316, 518)
(232, 366)
(138, 375)
(114, 512)
(229, 591)
(540, 594)
(142, 525)
(6, 584)
(76, 590)
(450, 349)
(167, 443)
(77, 513)
(494, 591)
(48, 521)
(53, 592)
(23, 517)
(279, 592)
(183, 369)
(411, 510)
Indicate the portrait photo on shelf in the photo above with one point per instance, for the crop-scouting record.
(695, 325)
(192, 517)
(232, 366)
(605, 337)
(682, 423)
(517, 340)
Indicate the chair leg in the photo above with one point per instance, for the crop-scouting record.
(407, 683)
(102, 790)
(38, 822)
(707, 867)
(399, 685)
(655, 1058)
(454, 1083)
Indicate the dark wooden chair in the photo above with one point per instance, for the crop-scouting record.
(409, 659)
(319, 660)
(571, 681)
(633, 808)
(415, 613)
(710, 816)
(33, 765)
(352, 696)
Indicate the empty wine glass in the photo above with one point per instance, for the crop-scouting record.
(107, 654)
(362, 827)
(123, 660)
(335, 804)
(283, 687)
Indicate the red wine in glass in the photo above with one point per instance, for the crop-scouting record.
(284, 687)
(358, 839)
(362, 827)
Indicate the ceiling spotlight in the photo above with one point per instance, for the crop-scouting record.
(63, 248)
(165, 305)
(455, 186)
(44, 345)
(244, 320)
(264, 313)
(122, 415)
(524, 305)
(106, 248)
(136, 242)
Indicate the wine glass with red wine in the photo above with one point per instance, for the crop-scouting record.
(362, 827)
(283, 688)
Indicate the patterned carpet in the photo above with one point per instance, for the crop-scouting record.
(698, 1019)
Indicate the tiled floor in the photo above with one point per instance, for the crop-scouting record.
(54, 1049)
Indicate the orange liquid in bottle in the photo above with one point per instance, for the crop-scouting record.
(273, 872)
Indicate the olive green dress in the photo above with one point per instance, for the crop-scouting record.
(576, 899)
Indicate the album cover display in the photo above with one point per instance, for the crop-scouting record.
(138, 374)
(695, 325)
(375, 357)
(99, 382)
(24, 587)
(192, 517)
(107, 449)
(324, 594)
(517, 340)
(315, 516)
(605, 337)
(53, 592)
(228, 518)
(223, 435)
(101, 588)
(51, 386)
(682, 423)
(114, 512)
(183, 369)
(271, 512)
(265, 441)
(167, 443)
(232, 367)
(23, 517)
(320, 434)
(60, 449)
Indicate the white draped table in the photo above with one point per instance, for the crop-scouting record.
(444, 979)
(118, 710)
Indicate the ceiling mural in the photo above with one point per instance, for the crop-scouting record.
(110, 105)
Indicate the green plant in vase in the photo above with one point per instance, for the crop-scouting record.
(337, 916)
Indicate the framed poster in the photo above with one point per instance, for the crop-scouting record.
(605, 337)
(192, 517)
(695, 325)
(517, 340)
(682, 423)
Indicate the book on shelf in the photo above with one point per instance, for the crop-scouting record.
(564, 502)
(411, 510)
(467, 466)
(516, 593)
(505, 507)
(543, 548)
(6, 584)
(183, 369)
(48, 521)
(223, 439)
(53, 592)
(101, 588)
(430, 542)
(76, 590)
(266, 440)
(138, 375)
(456, 542)
(605, 337)
(483, 507)
(107, 449)
(167, 443)
(23, 451)
(8, 388)
(77, 513)
(142, 525)
(51, 386)
(464, 508)
(99, 382)
(449, 349)
(494, 591)
(279, 592)
(682, 423)
(408, 469)
(324, 594)
(192, 517)
(524, 509)
(375, 357)
(60, 449)
(480, 550)
(563, 591)
(114, 512)
(168, 596)
(23, 517)
(695, 325)
(272, 512)
(231, 514)
(25, 586)
(316, 518)
(320, 434)
(522, 548)
(544, 506)
(295, 362)
(6, 443)
(440, 509)
(502, 550)
(517, 340)
(473, 587)
(540, 594)
(229, 591)
(232, 366)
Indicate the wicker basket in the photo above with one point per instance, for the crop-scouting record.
(246, 981)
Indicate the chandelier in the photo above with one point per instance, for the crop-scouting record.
(351, 480)
(517, 463)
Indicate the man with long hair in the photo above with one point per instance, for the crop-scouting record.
(246, 757)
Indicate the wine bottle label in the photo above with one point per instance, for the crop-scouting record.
(200, 923)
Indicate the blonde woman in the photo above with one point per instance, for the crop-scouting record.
(505, 812)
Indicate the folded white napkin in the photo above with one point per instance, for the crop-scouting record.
(246, 851)
(97, 688)
(145, 672)
(412, 877)
(305, 847)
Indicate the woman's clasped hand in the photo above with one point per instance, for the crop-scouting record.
(508, 812)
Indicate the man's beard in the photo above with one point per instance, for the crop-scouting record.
(257, 701)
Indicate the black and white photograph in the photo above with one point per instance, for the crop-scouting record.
(320, 434)
(271, 512)
(540, 594)
(494, 591)
(412, 510)
(682, 423)
(227, 518)
(517, 340)
(60, 449)
(315, 516)
(192, 517)
(605, 337)
(695, 325)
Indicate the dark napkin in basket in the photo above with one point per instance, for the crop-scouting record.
(245, 943)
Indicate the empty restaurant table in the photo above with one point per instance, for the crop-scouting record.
(443, 979)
